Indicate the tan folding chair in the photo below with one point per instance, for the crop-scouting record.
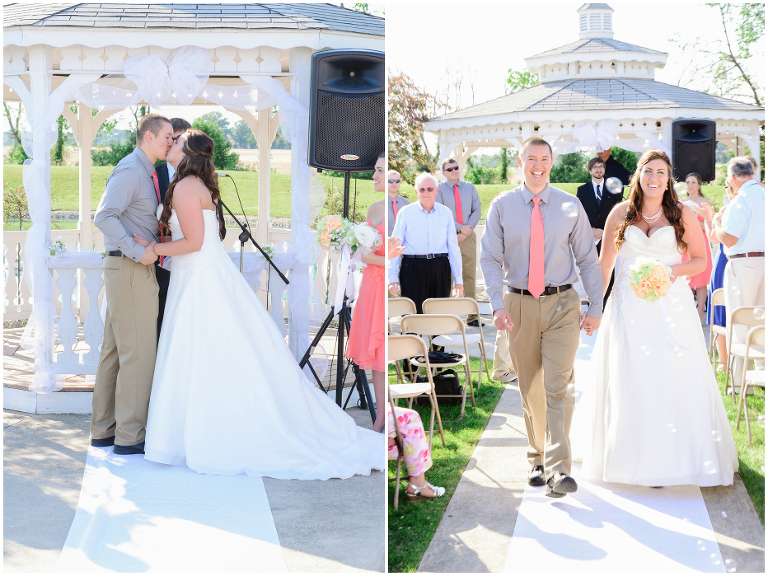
(744, 315)
(435, 325)
(718, 299)
(408, 346)
(399, 445)
(396, 308)
(459, 307)
(755, 343)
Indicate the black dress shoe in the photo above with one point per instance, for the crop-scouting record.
(101, 442)
(475, 323)
(536, 476)
(559, 485)
(135, 449)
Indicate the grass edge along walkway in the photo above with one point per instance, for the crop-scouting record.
(412, 526)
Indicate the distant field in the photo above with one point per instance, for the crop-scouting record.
(65, 188)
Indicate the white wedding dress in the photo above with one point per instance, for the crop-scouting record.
(654, 416)
(228, 396)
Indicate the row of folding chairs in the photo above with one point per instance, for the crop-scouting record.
(753, 317)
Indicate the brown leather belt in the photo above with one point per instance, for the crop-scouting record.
(748, 255)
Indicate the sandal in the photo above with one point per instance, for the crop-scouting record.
(720, 367)
(417, 490)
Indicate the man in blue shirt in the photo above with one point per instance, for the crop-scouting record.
(431, 256)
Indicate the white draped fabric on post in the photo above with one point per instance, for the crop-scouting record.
(603, 135)
(159, 82)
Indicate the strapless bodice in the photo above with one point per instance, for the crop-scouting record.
(211, 242)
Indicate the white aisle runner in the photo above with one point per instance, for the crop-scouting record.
(613, 528)
(139, 516)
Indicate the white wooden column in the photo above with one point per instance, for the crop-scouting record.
(753, 141)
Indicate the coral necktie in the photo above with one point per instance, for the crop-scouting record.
(536, 262)
(457, 199)
(157, 191)
(394, 205)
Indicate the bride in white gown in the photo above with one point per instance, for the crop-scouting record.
(654, 416)
(227, 395)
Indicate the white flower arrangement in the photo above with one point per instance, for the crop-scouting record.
(57, 247)
(363, 237)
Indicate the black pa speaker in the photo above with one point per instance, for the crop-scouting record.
(693, 148)
(346, 112)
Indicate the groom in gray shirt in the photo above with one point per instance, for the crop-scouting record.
(535, 238)
(129, 348)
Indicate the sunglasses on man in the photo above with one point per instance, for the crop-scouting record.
(430, 189)
(451, 169)
(394, 181)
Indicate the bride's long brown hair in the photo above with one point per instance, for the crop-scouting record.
(669, 202)
(198, 162)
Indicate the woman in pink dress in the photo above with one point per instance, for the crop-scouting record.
(699, 282)
(367, 334)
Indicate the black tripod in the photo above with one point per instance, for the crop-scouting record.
(342, 364)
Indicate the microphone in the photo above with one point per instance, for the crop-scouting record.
(220, 174)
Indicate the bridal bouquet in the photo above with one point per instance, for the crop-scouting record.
(649, 278)
(332, 232)
(363, 237)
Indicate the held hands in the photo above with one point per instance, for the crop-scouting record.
(149, 255)
(458, 291)
(394, 289)
(589, 324)
(597, 233)
(502, 319)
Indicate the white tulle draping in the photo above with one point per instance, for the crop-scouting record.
(605, 134)
(176, 81)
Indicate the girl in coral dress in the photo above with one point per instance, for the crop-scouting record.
(699, 282)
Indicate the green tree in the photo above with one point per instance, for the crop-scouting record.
(504, 161)
(242, 135)
(520, 80)
(626, 158)
(409, 108)
(280, 142)
(17, 154)
(570, 168)
(223, 159)
(14, 204)
(217, 118)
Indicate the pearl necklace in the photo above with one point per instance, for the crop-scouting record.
(653, 218)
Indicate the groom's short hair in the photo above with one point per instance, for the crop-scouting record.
(180, 125)
(152, 122)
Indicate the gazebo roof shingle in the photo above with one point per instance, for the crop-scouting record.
(602, 94)
(590, 45)
(194, 16)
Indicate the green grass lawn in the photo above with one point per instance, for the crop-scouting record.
(751, 456)
(413, 524)
(488, 192)
(65, 189)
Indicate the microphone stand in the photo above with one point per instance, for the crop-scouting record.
(244, 236)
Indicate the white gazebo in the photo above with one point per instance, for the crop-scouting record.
(257, 59)
(594, 93)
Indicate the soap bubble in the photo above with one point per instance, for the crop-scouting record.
(709, 467)
(672, 428)
(570, 209)
(759, 313)
(677, 351)
(700, 545)
(716, 436)
(723, 514)
(715, 559)
(680, 187)
(730, 565)
(614, 185)
(644, 350)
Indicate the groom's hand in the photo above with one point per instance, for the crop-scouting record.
(502, 320)
(589, 324)
(149, 256)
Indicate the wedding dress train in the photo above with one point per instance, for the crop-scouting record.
(654, 415)
(228, 396)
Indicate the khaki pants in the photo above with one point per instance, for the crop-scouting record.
(744, 285)
(543, 344)
(502, 359)
(469, 266)
(128, 351)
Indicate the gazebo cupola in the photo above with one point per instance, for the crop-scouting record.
(596, 54)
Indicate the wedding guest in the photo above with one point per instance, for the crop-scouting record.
(416, 453)
(614, 169)
(394, 200)
(531, 249)
(431, 256)
(699, 282)
(462, 199)
(367, 333)
(756, 177)
(126, 365)
(716, 281)
(741, 229)
(598, 203)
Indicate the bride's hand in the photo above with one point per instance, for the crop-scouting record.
(140, 241)
(589, 324)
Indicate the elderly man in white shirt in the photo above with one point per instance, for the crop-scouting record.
(740, 226)
(432, 254)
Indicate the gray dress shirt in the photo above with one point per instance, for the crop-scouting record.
(425, 232)
(129, 206)
(401, 202)
(470, 202)
(568, 243)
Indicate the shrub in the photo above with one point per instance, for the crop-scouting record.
(223, 159)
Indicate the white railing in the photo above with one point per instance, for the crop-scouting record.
(78, 287)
